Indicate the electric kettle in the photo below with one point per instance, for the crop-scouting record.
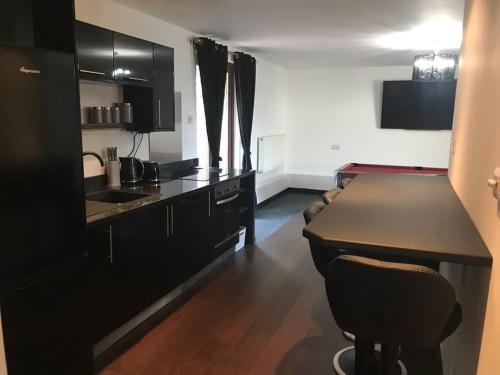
(129, 170)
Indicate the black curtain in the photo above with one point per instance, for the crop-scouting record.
(212, 62)
(244, 74)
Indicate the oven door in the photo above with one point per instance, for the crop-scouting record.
(227, 222)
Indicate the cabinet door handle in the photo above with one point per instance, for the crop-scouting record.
(227, 200)
(92, 72)
(209, 205)
(110, 232)
(159, 113)
(137, 79)
(168, 222)
(172, 221)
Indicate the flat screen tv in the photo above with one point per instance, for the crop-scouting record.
(418, 105)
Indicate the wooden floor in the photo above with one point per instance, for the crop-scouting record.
(263, 311)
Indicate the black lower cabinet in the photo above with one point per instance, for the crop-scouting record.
(136, 241)
(101, 306)
(187, 246)
(191, 233)
(140, 258)
(45, 324)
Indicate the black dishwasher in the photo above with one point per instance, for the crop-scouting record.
(226, 215)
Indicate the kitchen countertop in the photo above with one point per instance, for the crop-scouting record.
(408, 216)
(168, 189)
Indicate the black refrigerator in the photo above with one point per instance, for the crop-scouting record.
(42, 215)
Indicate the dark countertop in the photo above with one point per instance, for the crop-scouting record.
(100, 212)
(401, 215)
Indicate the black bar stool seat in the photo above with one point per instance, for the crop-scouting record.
(395, 304)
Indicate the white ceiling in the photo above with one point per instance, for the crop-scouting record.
(320, 33)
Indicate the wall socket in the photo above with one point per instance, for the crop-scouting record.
(335, 147)
(190, 119)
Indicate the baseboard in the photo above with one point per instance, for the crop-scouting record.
(289, 190)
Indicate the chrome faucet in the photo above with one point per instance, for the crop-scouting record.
(96, 155)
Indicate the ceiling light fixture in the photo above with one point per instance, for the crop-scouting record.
(434, 67)
(436, 35)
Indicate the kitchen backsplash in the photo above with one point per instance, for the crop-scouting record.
(103, 94)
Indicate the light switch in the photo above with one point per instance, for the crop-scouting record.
(494, 184)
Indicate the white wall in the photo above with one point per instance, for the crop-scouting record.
(342, 107)
(114, 16)
(476, 154)
(104, 94)
(270, 98)
(270, 118)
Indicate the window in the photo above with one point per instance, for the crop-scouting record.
(230, 144)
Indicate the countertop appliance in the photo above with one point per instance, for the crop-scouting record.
(151, 172)
(129, 173)
(43, 208)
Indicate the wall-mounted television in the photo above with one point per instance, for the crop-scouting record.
(418, 105)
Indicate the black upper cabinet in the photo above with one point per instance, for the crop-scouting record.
(35, 23)
(133, 60)
(163, 89)
(95, 51)
(146, 71)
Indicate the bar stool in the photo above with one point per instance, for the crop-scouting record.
(345, 181)
(330, 195)
(391, 303)
(322, 256)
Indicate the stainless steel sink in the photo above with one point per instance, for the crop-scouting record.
(115, 196)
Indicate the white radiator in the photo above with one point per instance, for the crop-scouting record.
(271, 151)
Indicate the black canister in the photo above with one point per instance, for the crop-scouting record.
(126, 113)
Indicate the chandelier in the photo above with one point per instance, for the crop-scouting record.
(434, 67)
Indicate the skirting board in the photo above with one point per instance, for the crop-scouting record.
(289, 190)
(270, 190)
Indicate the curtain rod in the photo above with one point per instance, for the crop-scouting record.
(195, 39)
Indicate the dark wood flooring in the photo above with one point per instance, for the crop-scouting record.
(262, 311)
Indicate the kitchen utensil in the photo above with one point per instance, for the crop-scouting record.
(112, 153)
(128, 170)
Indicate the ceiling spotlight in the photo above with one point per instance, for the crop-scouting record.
(436, 35)
(434, 67)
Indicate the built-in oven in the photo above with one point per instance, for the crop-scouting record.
(226, 214)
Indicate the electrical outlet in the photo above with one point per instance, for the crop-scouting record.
(335, 147)
(190, 119)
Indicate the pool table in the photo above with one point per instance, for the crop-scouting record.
(351, 170)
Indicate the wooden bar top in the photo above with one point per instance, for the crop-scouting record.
(403, 215)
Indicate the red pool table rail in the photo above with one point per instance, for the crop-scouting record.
(353, 169)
